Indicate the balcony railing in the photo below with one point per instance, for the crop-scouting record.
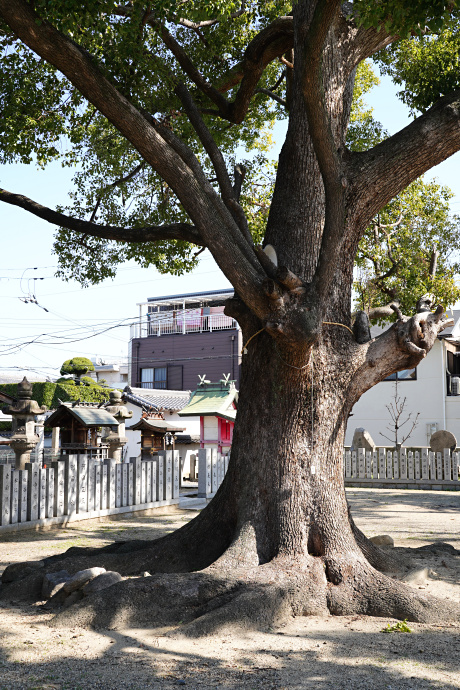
(184, 322)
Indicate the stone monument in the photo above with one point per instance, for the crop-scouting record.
(362, 439)
(24, 412)
(117, 439)
(442, 439)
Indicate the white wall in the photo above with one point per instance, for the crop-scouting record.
(426, 395)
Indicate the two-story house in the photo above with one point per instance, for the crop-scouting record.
(179, 337)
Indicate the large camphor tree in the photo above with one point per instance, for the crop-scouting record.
(156, 102)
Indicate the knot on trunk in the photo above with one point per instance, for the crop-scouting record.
(418, 333)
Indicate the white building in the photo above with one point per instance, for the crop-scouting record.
(115, 374)
(431, 390)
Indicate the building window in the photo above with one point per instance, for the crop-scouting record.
(154, 378)
(404, 375)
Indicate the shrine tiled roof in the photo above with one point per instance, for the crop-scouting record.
(156, 398)
(212, 399)
(87, 414)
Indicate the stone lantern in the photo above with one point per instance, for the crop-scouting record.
(117, 439)
(24, 412)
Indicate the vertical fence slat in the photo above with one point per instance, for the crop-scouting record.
(410, 464)
(368, 464)
(432, 465)
(14, 511)
(361, 458)
(70, 485)
(148, 481)
(395, 465)
(137, 479)
(425, 464)
(82, 484)
(455, 466)
(168, 475)
(403, 463)
(5, 494)
(439, 466)
(49, 492)
(97, 486)
(59, 487)
(382, 472)
(154, 480)
(91, 474)
(447, 465)
(160, 476)
(176, 474)
(33, 491)
(389, 465)
(214, 470)
(353, 463)
(23, 495)
(347, 464)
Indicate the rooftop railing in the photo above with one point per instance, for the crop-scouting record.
(168, 323)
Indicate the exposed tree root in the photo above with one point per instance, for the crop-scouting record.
(233, 586)
(260, 597)
(366, 591)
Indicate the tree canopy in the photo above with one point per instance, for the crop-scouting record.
(77, 367)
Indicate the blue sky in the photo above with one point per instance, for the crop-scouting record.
(75, 313)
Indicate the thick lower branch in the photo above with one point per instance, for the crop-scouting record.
(175, 231)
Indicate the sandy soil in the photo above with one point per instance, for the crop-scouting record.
(346, 652)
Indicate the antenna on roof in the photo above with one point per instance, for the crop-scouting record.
(226, 378)
(203, 380)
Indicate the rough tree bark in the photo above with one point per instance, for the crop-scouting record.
(277, 539)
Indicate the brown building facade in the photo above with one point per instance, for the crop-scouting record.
(181, 337)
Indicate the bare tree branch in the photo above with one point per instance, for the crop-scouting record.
(175, 231)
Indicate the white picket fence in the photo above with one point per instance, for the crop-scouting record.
(413, 468)
(212, 468)
(78, 488)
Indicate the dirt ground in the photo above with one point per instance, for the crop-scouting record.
(309, 652)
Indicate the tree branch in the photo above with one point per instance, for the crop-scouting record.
(402, 346)
(272, 95)
(116, 183)
(210, 22)
(204, 206)
(381, 173)
(312, 37)
(175, 231)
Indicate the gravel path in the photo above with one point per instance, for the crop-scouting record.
(347, 652)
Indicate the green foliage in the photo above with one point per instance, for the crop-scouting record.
(402, 254)
(405, 18)
(44, 118)
(5, 426)
(49, 394)
(77, 366)
(399, 627)
(364, 131)
(427, 67)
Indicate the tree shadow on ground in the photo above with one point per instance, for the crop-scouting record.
(298, 658)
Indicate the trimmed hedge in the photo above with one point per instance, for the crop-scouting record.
(49, 394)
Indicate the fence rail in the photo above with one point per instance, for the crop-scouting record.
(212, 468)
(414, 467)
(79, 487)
